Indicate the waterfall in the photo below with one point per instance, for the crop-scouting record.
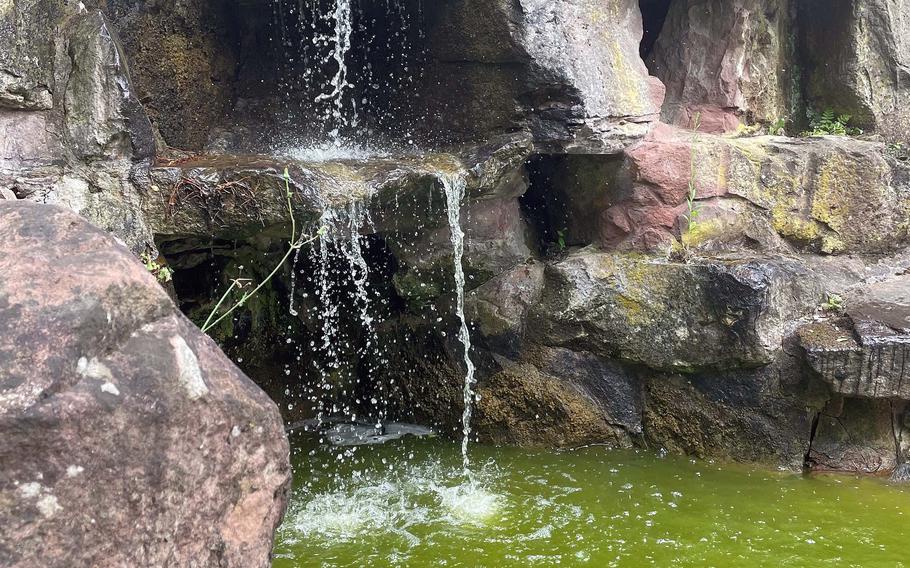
(353, 251)
(342, 45)
(349, 72)
(328, 320)
(342, 240)
(454, 186)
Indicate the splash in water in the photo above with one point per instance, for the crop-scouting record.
(391, 503)
(454, 186)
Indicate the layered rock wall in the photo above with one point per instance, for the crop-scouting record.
(630, 282)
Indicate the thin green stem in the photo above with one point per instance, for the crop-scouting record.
(253, 292)
(295, 245)
(205, 326)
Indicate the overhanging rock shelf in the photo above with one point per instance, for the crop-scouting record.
(239, 196)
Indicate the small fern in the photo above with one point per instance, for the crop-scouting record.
(829, 123)
(778, 127)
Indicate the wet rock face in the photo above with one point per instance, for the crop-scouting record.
(761, 415)
(598, 340)
(672, 316)
(72, 131)
(623, 323)
(106, 384)
(855, 435)
(866, 354)
(568, 70)
(564, 399)
(183, 63)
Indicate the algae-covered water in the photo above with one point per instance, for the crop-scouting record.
(407, 504)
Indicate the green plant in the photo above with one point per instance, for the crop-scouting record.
(778, 127)
(160, 271)
(693, 208)
(898, 151)
(829, 123)
(833, 303)
(561, 239)
(240, 283)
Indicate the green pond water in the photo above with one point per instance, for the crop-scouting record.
(407, 503)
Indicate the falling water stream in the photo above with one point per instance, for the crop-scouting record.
(454, 186)
(339, 83)
(342, 227)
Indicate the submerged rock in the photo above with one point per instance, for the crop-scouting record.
(341, 432)
(128, 437)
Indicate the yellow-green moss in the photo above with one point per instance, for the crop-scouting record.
(703, 231)
(629, 87)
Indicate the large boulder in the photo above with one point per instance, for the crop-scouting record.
(129, 439)
(710, 314)
(568, 69)
(727, 61)
(760, 415)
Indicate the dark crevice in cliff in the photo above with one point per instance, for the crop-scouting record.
(825, 29)
(538, 203)
(653, 15)
(807, 459)
(898, 409)
(567, 197)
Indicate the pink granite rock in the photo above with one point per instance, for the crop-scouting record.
(128, 438)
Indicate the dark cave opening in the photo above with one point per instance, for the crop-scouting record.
(566, 197)
(277, 337)
(544, 209)
(653, 15)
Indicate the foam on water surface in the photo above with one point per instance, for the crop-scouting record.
(389, 502)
